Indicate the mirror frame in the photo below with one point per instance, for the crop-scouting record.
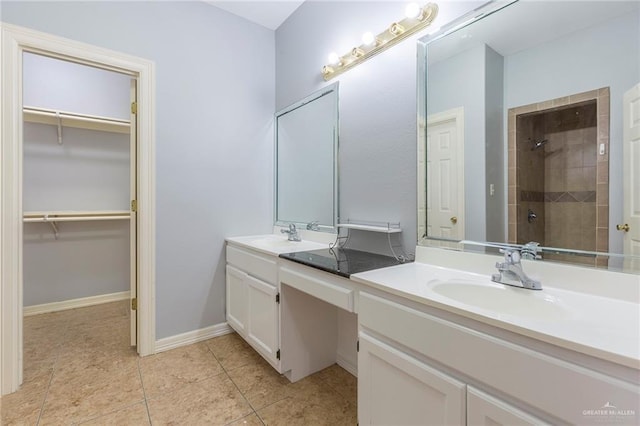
(326, 90)
(486, 9)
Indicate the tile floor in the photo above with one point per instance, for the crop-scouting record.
(79, 369)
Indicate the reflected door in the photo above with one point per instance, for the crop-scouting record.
(631, 178)
(445, 178)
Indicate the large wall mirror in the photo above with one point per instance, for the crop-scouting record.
(529, 130)
(306, 161)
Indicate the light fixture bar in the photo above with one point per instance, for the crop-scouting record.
(395, 33)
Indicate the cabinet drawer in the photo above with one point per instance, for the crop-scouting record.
(255, 264)
(538, 380)
(329, 290)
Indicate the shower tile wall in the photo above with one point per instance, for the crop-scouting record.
(565, 180)
(570, 178)
(530, 179)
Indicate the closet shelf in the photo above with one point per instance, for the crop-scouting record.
(70, 119)
(76, 216)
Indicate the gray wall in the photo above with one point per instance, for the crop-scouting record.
(377, 163)
(604, 55)
(214, 154)
(494, 146)
(88, 171)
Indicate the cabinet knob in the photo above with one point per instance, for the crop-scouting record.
(454, 220)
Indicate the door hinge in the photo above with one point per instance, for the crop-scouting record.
(134, 205)
(134, 107)
(278, 354)
(134, 304)
(357, 345)
(278, 298)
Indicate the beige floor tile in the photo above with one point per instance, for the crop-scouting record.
(114, 332)
(232, 351)
(99, 314)
(169, 370)
(250, 420)
(212, 401)
(260, 383)
(313, 402)
(341, 381)
(135, 415)
(105, 359)
(23, 407)
(75, 396)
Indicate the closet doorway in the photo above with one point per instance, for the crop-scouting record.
(77, 186)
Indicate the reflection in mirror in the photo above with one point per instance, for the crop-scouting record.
(306, 161)
(522, 110)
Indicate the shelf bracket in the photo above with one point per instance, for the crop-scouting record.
(53, 225)
(59, 127)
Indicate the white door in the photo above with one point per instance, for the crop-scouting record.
(485, 410)
(262, 324)
(445, 174)
(133, 227)
(631, 176)
(237, 299)
(396, 389)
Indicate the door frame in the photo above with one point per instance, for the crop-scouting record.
(15, 40)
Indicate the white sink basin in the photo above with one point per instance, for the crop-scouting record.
(276, 241)
(276, 244)
(502, 298)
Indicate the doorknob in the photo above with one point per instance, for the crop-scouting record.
(624, 227)
(454, 220)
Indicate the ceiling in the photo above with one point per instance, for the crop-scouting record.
(268, 13)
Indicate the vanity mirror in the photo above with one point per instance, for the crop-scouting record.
(521, 109)
(306, 170)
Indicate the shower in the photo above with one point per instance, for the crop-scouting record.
(538, 144)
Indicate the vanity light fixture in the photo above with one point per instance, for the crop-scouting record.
(417, 18)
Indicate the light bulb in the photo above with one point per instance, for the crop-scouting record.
(334, 59)
(412, 11)
(368, 38)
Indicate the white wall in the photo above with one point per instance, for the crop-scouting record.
(600, 56)
(215, 104)
(377, 163)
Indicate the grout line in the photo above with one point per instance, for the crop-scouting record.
(236, 386)
(53, 369)
(144, 392)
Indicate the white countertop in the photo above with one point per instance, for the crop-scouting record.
(274, 245)
(602, 327)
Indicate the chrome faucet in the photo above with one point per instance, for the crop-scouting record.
(313, 226)
(293, 233)
(511, 273)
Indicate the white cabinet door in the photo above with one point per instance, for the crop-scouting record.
(483, 409)
(262, 326)
(237, 299)
(397, 389)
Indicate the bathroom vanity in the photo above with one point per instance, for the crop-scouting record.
(434, 344)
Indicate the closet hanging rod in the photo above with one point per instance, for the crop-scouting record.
(72, 119)
(76, 216)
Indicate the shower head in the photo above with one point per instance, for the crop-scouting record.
(539, 144)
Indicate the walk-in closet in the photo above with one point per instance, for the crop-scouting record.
(79, 180)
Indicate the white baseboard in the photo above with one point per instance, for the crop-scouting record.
(191, 337)
(347, 365)
(74, 303)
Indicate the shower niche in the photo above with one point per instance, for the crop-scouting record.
(558, 175)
